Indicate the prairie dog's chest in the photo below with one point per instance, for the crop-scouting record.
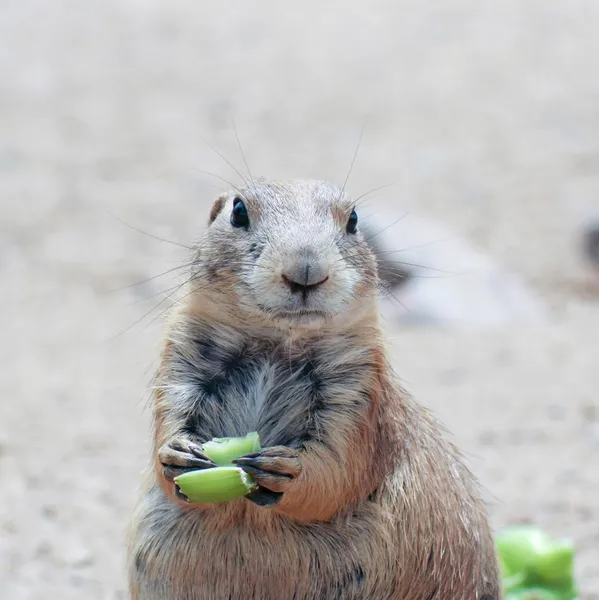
(229, 386)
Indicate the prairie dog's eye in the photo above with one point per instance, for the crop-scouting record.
(352, 223)
(239, 216)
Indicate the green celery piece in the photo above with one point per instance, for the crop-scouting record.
(224, 450)
(539, 559)
(512, 582)
(533, 594)
(218, 484)
(520, 546)
(556, 565)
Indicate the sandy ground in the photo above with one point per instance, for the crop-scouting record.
(483, 115)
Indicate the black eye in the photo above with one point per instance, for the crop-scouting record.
(239, 216)
(352, 223)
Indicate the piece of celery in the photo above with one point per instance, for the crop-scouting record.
(219, 484)
(225, 482)
(533, 594)
(534, 565)
(224, 450)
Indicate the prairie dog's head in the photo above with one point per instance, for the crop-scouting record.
(290, 252)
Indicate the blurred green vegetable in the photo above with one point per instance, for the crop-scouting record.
(533, 594)
(556, 566)
(535, 566)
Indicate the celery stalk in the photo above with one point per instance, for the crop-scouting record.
(224, 450)
(224, 482)
(219, 484)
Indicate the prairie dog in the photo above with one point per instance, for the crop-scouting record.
(360, 495)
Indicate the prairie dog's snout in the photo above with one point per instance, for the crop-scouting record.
(305, 271)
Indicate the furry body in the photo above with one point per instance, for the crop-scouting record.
(361, 496)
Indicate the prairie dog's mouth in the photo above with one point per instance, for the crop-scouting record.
(295, 314)
(305, 317)
(302, 315)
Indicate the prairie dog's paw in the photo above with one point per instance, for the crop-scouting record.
(181, 455)
(273, 469)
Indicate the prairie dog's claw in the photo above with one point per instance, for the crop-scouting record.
(272, 468)
(182, 455)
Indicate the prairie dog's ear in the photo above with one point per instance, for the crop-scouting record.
(218, 205)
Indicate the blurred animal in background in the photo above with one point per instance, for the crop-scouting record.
(590, 243)
(434, 277)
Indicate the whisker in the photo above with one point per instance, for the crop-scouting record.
(187, 265)
(351, 166)
(227, 161)
(241, 151)
(404, 274)
(396, 272)
(229, 183)
(372, 191)
(147, 313)
(160, 293)
(387, 291)
(169, 307)
(417, 266)
(151, 235)
(357, 258)
(388, 227)
(408, 248)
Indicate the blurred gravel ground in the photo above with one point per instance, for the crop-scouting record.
(484, 116)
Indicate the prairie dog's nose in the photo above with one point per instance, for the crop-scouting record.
(306, 273)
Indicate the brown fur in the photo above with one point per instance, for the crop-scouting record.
(367, 500)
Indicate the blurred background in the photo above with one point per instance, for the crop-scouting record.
(483, 119)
